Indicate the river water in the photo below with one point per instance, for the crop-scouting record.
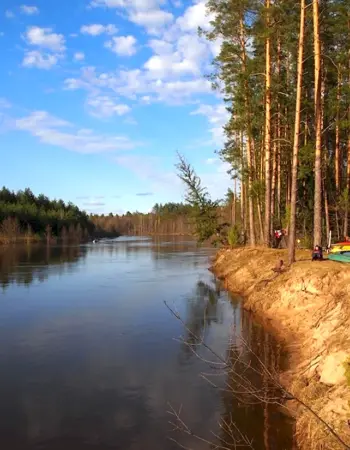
(91, 357)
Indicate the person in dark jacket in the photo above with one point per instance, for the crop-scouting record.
(317, 253)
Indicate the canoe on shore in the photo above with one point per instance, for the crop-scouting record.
(340, 247)
(340, 257)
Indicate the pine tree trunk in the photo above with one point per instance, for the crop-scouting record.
(326, 209)
(294, 187)
(279, 135)
(337, 138)
(279, 184)
(261, 227)
(267, 237)
(243, 213)
(273, 185)
(347, 190)
(249, 138)
(318, 123)
(234, 215)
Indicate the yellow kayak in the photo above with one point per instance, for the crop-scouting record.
(341, 247)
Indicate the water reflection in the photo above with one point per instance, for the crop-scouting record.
(203, 309)
(30, 263)
(88, 358)
(248, 420)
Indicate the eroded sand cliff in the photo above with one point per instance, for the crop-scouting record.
(308, 307)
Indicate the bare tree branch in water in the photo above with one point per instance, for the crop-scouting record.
(241, 387)
(238, 440)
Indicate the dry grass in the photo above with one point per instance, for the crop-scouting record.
(308, 306)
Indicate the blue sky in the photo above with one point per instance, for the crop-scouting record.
(97, 96)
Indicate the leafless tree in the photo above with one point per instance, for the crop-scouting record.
(243, 382)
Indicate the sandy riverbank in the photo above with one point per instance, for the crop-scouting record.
(308, 308)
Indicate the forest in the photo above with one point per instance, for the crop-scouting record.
(170, 218)
(24, 216)
(166, 219)
(283, 70)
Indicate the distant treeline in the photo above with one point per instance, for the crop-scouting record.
(167, 219)
(26, 216)
(170, 218)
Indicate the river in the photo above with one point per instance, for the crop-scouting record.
(92, 358)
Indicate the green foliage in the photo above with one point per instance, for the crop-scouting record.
(204, 211)
(239, 74)
(306, 241)
(286, 218)
(25, 213)
(233, 236)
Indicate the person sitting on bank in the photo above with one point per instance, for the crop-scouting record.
(317, 253)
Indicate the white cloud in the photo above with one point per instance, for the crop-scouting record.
(45, 38)
(146, 13)
(105, 106)
(211, 161)
(122, 45)
(195, 16)
(217, 116)
(60, 133)
(39, 60)
(79, 56)
(173, 73)
(9, 14)
(96, 29)
(136, 4)
(51, 48)
(152, 20)
(184, 56)
(137, 84)
(29, 10)
(159, 67)
(161, 47)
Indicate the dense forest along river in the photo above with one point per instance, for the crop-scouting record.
(91, 358)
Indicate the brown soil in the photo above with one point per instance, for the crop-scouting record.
(308, 307)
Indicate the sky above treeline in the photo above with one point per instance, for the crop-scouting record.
(97, 96)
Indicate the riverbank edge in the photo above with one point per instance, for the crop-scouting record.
(307, 307)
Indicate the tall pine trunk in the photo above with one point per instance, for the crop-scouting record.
(252, 240)
(337, 137)
(318, 125)
(279, 135)
(294, 186)
(243, 212)
(267, 237)
(347, 189)
(273, 185)
(326, 209)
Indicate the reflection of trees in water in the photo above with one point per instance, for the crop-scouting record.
(203, 309)
(27, 264)
(257, 418)
(243, 413)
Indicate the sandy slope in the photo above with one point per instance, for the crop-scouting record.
(308, 307)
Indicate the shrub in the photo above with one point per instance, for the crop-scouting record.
(233, 236)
